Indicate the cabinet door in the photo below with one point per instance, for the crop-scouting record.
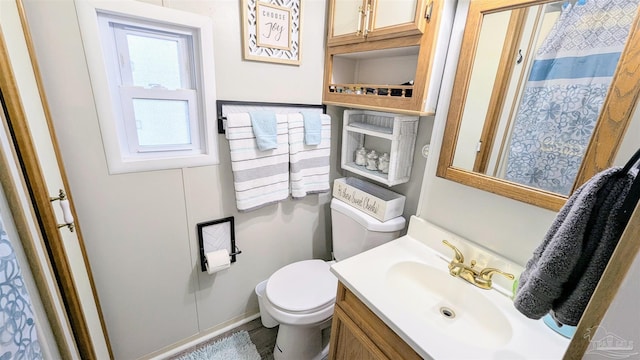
(395, 18)
(357, 333)
(350, 341)
(346, 21)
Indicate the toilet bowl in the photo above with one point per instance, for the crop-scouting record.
(301, 296)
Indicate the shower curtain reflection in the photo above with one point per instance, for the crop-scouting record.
(18, 334)
(565, 91)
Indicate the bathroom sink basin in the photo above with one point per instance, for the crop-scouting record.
(449, 304)
(406, 283)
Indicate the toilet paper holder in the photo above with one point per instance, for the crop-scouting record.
(216, 235)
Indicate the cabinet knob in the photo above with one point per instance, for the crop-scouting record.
(366, 20)
(359, 31)
(427, 13)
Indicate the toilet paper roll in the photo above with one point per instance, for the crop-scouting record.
(217, 260)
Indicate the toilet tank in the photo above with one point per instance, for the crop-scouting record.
(354, 231)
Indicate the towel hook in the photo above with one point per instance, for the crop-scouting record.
(519, 56)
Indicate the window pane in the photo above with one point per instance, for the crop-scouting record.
(162, 122)
(154, 61)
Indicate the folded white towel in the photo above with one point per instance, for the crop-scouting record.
(260, 177)
(309, 163)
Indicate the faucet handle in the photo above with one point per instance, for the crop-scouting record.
(487, 273)
(458, 257)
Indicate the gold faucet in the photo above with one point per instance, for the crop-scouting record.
(479, 278)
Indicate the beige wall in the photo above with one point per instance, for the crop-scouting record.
(140, 229)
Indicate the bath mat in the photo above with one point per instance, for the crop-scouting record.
(237, 346)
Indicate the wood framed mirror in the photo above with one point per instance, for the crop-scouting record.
(502, 54)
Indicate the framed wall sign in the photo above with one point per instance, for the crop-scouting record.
(271, 30)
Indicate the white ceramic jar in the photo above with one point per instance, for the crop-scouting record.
(372, 160)
(361, 156)
(383, 163)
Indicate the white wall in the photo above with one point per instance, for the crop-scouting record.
(483, 77)
(621, 319)
(140, 229)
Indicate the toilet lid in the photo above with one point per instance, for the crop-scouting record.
(303, 286)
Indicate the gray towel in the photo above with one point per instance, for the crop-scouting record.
(565, 269)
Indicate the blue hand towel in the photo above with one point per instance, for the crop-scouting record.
(312, 128)
(265, 129)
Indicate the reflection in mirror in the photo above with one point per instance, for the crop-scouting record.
(503, 55)
(530, 91)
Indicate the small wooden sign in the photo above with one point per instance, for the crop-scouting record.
(371, 199)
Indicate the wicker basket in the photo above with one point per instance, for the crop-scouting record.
(383, 132)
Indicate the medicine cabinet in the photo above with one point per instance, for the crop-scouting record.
(394, 68)
(353, 21)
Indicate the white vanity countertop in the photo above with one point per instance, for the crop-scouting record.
(509, 335)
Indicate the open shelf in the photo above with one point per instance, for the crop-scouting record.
(389, 133)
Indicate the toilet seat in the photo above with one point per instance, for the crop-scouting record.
(302, 287)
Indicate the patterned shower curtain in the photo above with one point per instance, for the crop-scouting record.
(18, 337)
(565, 91)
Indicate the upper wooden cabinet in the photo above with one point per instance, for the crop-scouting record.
(353, 21)
(387, 55)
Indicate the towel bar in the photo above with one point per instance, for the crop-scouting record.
(246, 106)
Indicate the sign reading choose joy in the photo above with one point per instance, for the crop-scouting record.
(273, 26)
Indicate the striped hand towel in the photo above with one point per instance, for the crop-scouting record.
(309, 163)
(260, 177)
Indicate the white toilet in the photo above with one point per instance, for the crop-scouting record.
(301, 296)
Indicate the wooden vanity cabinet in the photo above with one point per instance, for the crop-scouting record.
(358, 334)
(354, 21)
(395, 68)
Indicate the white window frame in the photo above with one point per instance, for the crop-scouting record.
(114, 103)
(130, 93)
